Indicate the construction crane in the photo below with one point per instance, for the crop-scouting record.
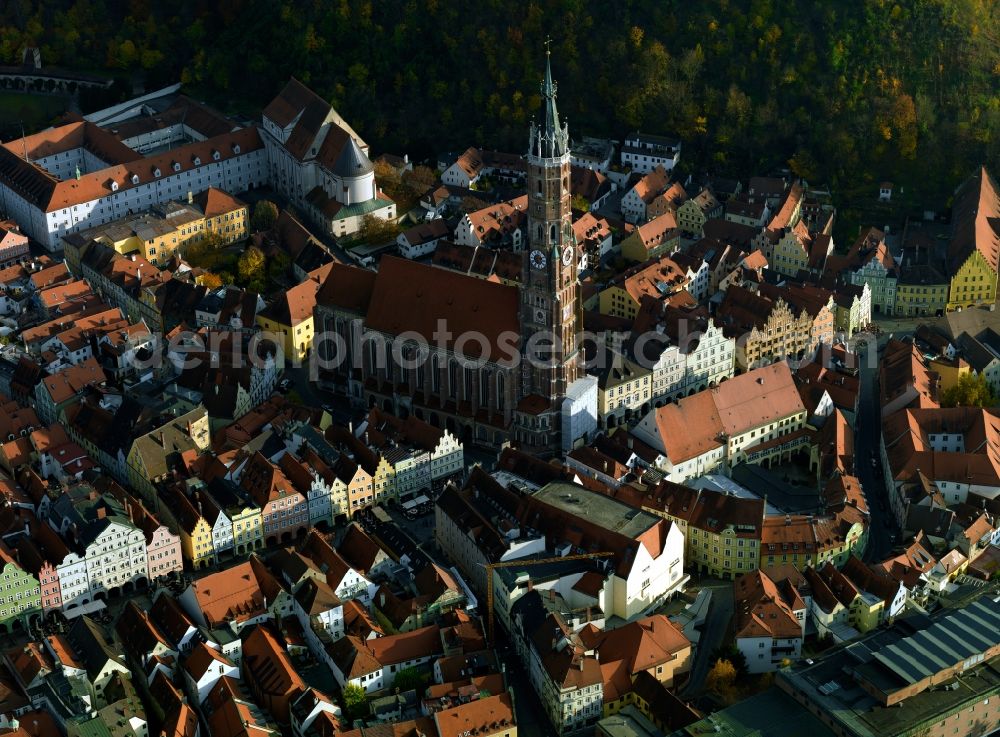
(522, 563)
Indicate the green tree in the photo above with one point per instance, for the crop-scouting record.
(407, 679)
(580, 202)
(277, 268)
(355, 702)
(971, 390)
(265, 213)
(250, 269)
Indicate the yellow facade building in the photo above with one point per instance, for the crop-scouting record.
(973, 254)
(290, 320)
(160, 232)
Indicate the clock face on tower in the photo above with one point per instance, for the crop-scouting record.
(537, 259)
(567, 255)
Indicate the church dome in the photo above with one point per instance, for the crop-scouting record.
(352, 161)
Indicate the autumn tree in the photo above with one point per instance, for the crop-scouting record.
(971, 390)
(250, 269)
(472, 204)
(265, 213)
(210, 280)
(420, 178)
(376, 231)
(721, 678)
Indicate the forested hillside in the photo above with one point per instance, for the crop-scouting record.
(845, 92)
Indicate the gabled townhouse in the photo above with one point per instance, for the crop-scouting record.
(202, 669)
(314, 714)
(973, 261)
(320, 613)
(466, 169)
(239, 514)
(94, 649)
(20, 593)
(353, 487)
(652, 239)
(229, 711)
(420, 454)
(495, 226)
(870, 262)
(363, 553)
(770, 616)
(635, 201)
(623, 388)
(169, 616)
(694, 212)
(288, 320)
(57, 392)
(284, 509)
(163, 546)
(573, 518)
(181, 504)
(269, 674)
(372, 664)
(346, 582)
(594, 236)
(787, 214)
(661, 279)
(13, 244)
(798, 250)
(314, 479)
(563, 671)
(102, 534)
(688, 350)
(669, 200)
(141, 638)
(153, 442)
(772, 326)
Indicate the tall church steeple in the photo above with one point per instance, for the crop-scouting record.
(550, 139)
(550, 306)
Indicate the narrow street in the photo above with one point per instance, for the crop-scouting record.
(713, 632)
(867, 440)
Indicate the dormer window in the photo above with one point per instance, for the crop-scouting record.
(197, 161)
(177, 166)
(114, 186)
(135, 179)
(156, 171)
(236, 148)
(216, 155)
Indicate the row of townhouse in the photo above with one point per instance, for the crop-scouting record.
(774, 607)
(95, 541)
(921, 279)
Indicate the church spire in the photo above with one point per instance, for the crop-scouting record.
(549, 93)
(550, 139)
